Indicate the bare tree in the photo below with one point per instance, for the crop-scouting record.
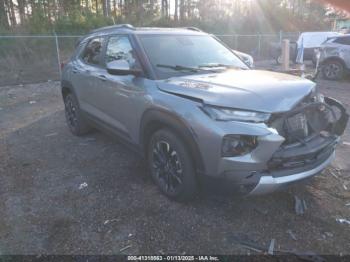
(96, 6)
(11, 12)
(3, 16)
(21, 10)
(104, 7)
(165, 8)
(182, 10)
(108, 7)
(176, 15)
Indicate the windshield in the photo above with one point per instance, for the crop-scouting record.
(174, 55)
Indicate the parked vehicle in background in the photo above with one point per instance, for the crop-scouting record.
(345, 30)
(247, 59)
(334, 57)
(196, 111)
(310, 41)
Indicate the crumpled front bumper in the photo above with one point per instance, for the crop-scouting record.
(269, 183)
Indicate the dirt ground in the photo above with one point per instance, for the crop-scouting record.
(62, 194)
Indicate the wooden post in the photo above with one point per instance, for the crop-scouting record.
(285, 55)
(259, 45)
(281, 36)
(58, 55)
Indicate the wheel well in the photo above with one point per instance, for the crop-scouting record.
(149, 130)
(153, 126)
(334, 58)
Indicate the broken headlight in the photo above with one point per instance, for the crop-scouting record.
(225, 114)
(238, 145)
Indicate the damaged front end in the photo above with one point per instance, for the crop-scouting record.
(311, 131)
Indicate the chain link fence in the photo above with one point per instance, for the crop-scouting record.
(37, 58)
(29, 59)
(258, 46)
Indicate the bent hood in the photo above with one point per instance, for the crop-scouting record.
(254, 90)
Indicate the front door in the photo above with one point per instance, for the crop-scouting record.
(122, 95)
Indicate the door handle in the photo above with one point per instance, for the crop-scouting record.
(102, 78)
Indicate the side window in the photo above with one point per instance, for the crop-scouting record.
(343, 40)
(119, 48)
(92, 52)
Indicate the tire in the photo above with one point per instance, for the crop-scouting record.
(74, 118)
(171, 166)
(333, 70)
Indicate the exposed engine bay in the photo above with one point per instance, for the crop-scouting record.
(311, 131)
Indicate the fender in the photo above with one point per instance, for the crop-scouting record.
(153, 119)
(337, 58)
(67, 85)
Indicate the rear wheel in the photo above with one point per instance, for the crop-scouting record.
(333, 70)
(171, 166)
(74, 118)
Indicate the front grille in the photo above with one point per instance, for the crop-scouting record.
(311, 133)
(305, 121)
(297, 126)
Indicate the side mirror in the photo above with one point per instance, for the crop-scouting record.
(247, 59)
(122, 67)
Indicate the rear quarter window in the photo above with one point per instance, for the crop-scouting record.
(92, 51)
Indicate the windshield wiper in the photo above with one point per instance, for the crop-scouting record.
(179, 67)
(212, 65)
(183, 68)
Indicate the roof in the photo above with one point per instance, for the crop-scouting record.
(314, 39)
(341, 36)
(127, 28)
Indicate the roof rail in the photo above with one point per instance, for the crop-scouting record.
(193, 28)
(125, 26)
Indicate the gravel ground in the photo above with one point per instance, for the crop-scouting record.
(91, 195)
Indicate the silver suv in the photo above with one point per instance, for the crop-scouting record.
(334, 57)
(195, 110)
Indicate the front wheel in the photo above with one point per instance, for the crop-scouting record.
(333, 70)
(171, 166)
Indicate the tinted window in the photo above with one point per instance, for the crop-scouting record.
(119, 48)
(92, 51)
(343, 40)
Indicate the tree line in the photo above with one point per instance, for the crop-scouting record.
(216, 16)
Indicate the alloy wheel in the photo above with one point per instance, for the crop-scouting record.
(71, 112)
(332, 70)
(167, 167)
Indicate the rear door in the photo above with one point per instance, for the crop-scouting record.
(86, 71)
